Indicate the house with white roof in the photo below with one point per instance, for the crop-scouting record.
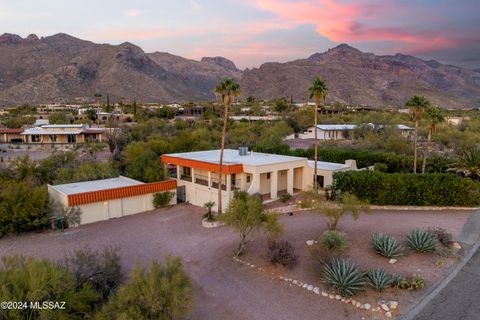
(62, 134)
(344, 131)
(270, 175)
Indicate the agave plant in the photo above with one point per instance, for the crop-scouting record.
(386, 245)
(344, 276)
(378, 279)
(422, 240)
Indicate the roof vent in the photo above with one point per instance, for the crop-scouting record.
(243, 151)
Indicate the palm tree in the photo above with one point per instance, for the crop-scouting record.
(417, 105)
(467, 163)
(227, 89)
(434, 116)
(318, 91)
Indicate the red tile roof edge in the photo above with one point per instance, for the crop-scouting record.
(7, 130)
(118, 193)
(213, 167)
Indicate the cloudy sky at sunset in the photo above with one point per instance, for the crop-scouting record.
(251, 32)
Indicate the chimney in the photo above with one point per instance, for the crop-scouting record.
(243, 151)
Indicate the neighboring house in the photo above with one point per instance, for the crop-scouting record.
(109, 198)
(255, 118)
(456, 121)
(195, 111)
(344, 131)
(63, 134)
(11, 135)
(269, 175)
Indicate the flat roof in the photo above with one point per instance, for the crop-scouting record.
(336, 126)
(231, 156)
(327, 165)
(53, 126)
(41, 131)
(95, 185)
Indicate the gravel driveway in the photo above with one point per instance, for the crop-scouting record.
(223, 288)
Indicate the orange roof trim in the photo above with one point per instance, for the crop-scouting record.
(118, 193)
(213, 167)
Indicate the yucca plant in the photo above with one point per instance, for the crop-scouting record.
(386, 245)
(422, 240)
(344, 276)
(378, 279)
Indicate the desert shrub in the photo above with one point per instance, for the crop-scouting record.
(101, 269)
(422, 240)
(434, 189)
(162, 291)
(386, 245)
(284, 197)
(442, 235)
(23, 206)
(334, 240)
(399, 281)
(344, 276)
(379, 279)
(416, 282)
(162, 199)
(28, 279)
(282, 252)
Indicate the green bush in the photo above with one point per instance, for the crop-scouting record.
(435, 189)
(344, 276)
(386, 245)
(422, 240)
(284, 197)
(28, 279)
(379, 279)
(162, 199)
(334, 240)
(382, 167)
(163, 291)
(23, 207)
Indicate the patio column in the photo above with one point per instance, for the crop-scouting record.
(228, 182)
(209, 179)
(290, 181)
(192, 170)
(243, 181)
(274, 184)
(178, 173)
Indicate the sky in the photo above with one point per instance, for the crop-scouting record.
(251, 32)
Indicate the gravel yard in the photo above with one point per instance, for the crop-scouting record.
(223, 288)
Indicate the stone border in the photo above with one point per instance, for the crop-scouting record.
(211, 224)
(383, 306)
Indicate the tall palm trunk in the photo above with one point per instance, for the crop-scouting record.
(315, 156)
(426, 152)
(415, 147)
(226, 102)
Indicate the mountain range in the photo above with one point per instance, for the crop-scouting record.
(62, 68)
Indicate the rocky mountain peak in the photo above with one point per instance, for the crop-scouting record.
(221, 61)
(10, 38)
(32, 37)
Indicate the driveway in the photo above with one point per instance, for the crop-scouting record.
(223, 288)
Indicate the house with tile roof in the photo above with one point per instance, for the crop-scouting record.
(269, 175)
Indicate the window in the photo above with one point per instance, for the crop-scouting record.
(35, 138)
(268, 175)
(71, 138)
(283, 172)
(187, 171)
(248, 178)
(53, 138)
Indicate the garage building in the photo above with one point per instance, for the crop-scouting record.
(109, 198)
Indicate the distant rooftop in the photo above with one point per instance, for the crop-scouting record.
(53, 126)
(95, 185)
(337, 127)
(231, 156)
(327, 165)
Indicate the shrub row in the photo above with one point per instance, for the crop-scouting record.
(365, 158)
(409, 189)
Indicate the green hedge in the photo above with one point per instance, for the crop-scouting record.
(365, 158)
(409, 189)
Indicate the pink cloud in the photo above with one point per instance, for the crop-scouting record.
(339, 22)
